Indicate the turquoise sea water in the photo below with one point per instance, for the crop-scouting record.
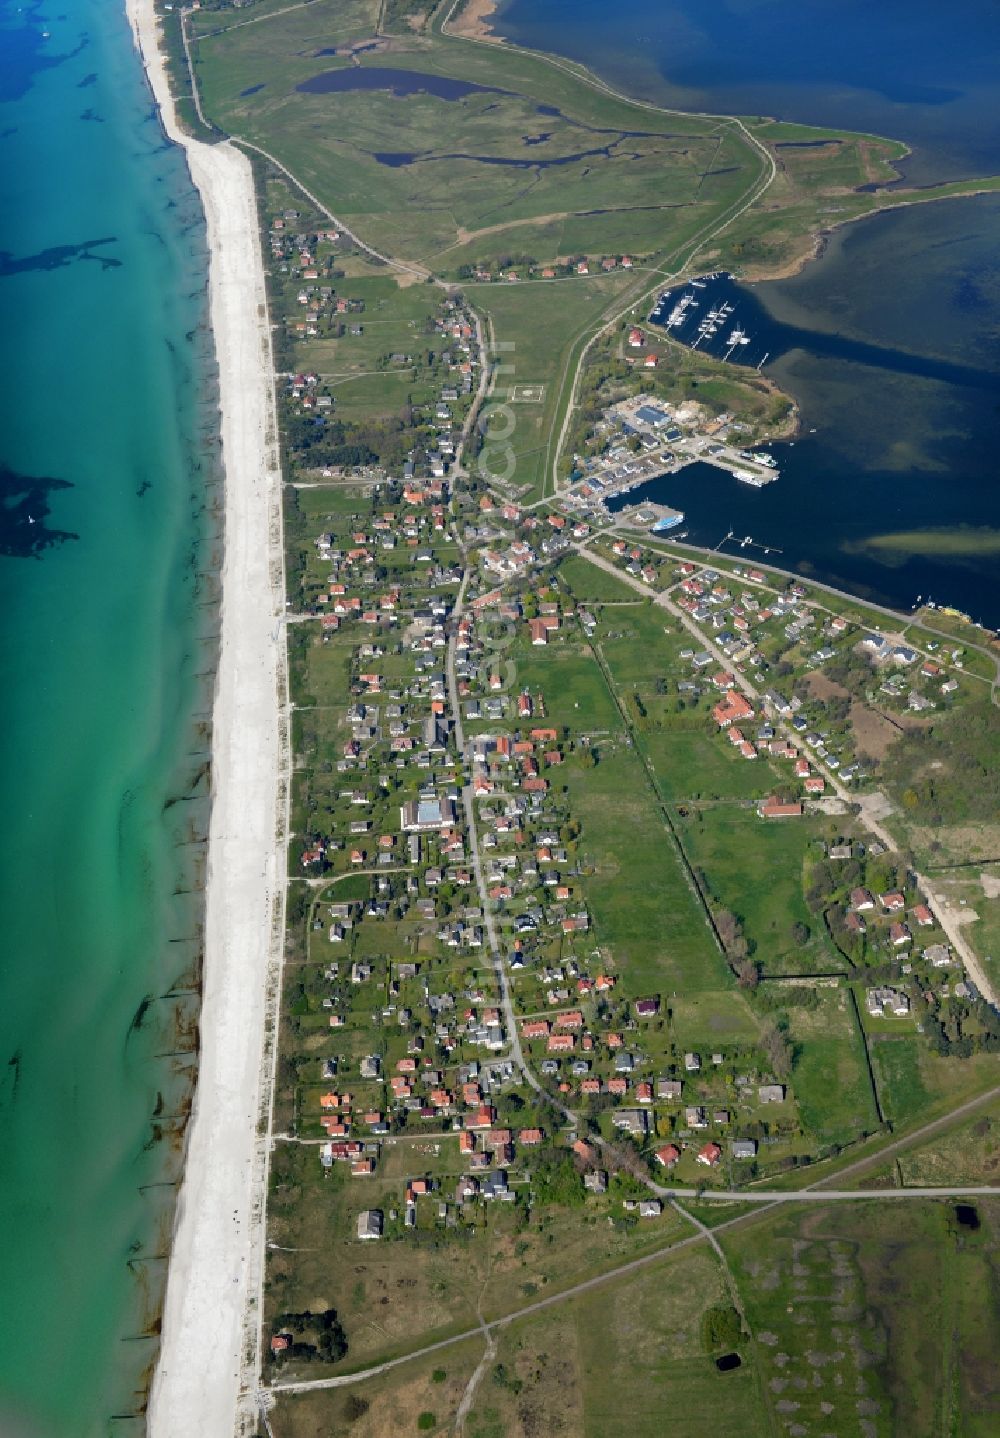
(107, 543)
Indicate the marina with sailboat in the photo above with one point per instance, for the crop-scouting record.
(703, 315)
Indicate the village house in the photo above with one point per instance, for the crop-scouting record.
(886, 1000)
(773, 808)
(734, 709)
(370, 1223)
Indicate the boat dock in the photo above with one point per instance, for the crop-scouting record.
(659, 519)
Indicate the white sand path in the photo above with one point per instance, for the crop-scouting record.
(209, 1357)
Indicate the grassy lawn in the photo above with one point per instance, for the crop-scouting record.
(984, 935)
(572, 685)
(755, 870)
(541, 323)
(897, 1067)
(693, 763)
(329, 670)
(641, 644)
(915, 1084)
(830, 1078)
(707, 1021)
(859, 1316)
(640, 901)
(590, 585)
(566, 1372)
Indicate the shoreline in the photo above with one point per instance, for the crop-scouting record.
(209, 1350)
(819, 239)
(477, 21)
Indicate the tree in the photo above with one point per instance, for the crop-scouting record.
(777, 1050)
(555, 1180)
(731, 934)
(800, 933)
(721, 1327)
(748, 974)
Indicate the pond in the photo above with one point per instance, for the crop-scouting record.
(400, 82)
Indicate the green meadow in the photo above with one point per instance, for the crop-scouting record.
(856, 1312)
(755, 870)
(449, 195)
(641, 902)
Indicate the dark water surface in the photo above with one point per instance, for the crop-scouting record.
(913, 70)
(889, 343)
(399, 82)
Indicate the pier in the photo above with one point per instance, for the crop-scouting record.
(649, 439)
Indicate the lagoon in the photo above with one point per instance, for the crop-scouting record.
(888, 341)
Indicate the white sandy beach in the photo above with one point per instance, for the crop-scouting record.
(209, 1345)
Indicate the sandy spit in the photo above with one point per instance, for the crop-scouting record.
(476, 21)
(207, 1369)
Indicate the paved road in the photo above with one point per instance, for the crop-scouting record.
(897, 616)
(820, 1195)
(468, 803)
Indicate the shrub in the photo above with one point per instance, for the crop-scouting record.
(720, 1328)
